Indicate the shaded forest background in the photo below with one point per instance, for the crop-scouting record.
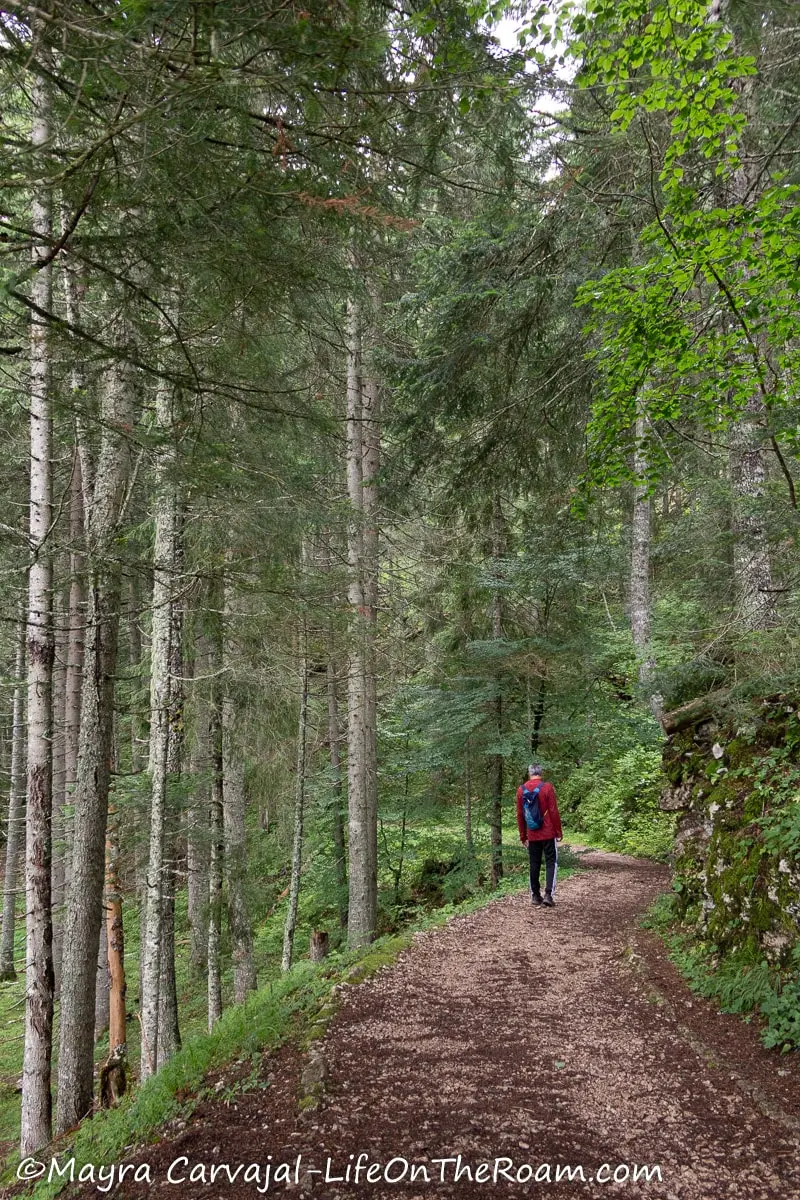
(390, 394)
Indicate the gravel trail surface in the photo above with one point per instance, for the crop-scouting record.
(529, 1040)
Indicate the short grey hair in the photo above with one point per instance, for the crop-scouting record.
(535, 769)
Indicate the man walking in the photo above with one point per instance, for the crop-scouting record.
(539, 830)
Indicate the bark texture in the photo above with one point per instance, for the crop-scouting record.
(169, 1037)
(85, 906)
(371, 451)
(334, 746)
(496, 816)
(299, 811)
(197, 841)
(752, 567)
(640, 571)
(101, 985)
(215, 868)
(363, 462)
(73, 680)
(164, 567)
(15, 826)
(234, 807)
(36, 1098)
(59, 836)
(115, 941)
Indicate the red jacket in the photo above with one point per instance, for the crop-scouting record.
(549, 806)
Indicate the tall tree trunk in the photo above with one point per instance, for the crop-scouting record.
(360, 920)
(73, 683)
(58, 865)
(234, 808)
(85, 906)
(139, 744)
(16, 805)
(140, 734)
(115, 941)
(215, 866)
(496, 816)
(164, 567)
(299, 809)
(640, 570)
(169, 1037)
(197, 844)
(335, 747)
(370, 424)
(36, 1069)
(752, 568)
(334, 744)
(538, 716)
(102, 982)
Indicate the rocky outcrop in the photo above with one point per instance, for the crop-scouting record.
(734, 781)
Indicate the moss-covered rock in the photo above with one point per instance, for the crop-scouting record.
(732, 780)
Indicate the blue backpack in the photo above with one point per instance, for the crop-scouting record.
(531, 808)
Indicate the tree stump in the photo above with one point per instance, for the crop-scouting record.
(319, 945)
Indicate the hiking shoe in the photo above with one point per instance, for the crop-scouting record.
(536, 898)
(548, 901)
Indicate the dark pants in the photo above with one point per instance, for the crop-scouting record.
(546, 846)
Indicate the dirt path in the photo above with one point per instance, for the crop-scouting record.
(528, 1035)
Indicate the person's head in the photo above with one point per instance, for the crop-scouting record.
(535, 771)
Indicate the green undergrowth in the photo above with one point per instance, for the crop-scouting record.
(437, 874)
(613, 804)
(280, 1009)
(297, 1007)
(741, 981)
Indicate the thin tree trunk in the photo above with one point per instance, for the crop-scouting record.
(73, 683)
(640, 570)
(370, 425)
(16, 806)
(335, 750)
(85, 907)
(164, 564)
(401, 858)
(140, 735)
(299, 807)
(58, 868)
(140, 741)
(74, 288)
(36, 1070)
(102, 983)
(215, 867)
(197, 844)
(234, 807)
(115, 941)
(334, 743)
(360, 922)
(538, 716)
(496, 816)
(169, 1037)
(752, 568)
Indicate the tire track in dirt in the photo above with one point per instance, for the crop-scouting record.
(525, 1034)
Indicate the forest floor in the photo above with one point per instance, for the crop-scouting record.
(551, 1038)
